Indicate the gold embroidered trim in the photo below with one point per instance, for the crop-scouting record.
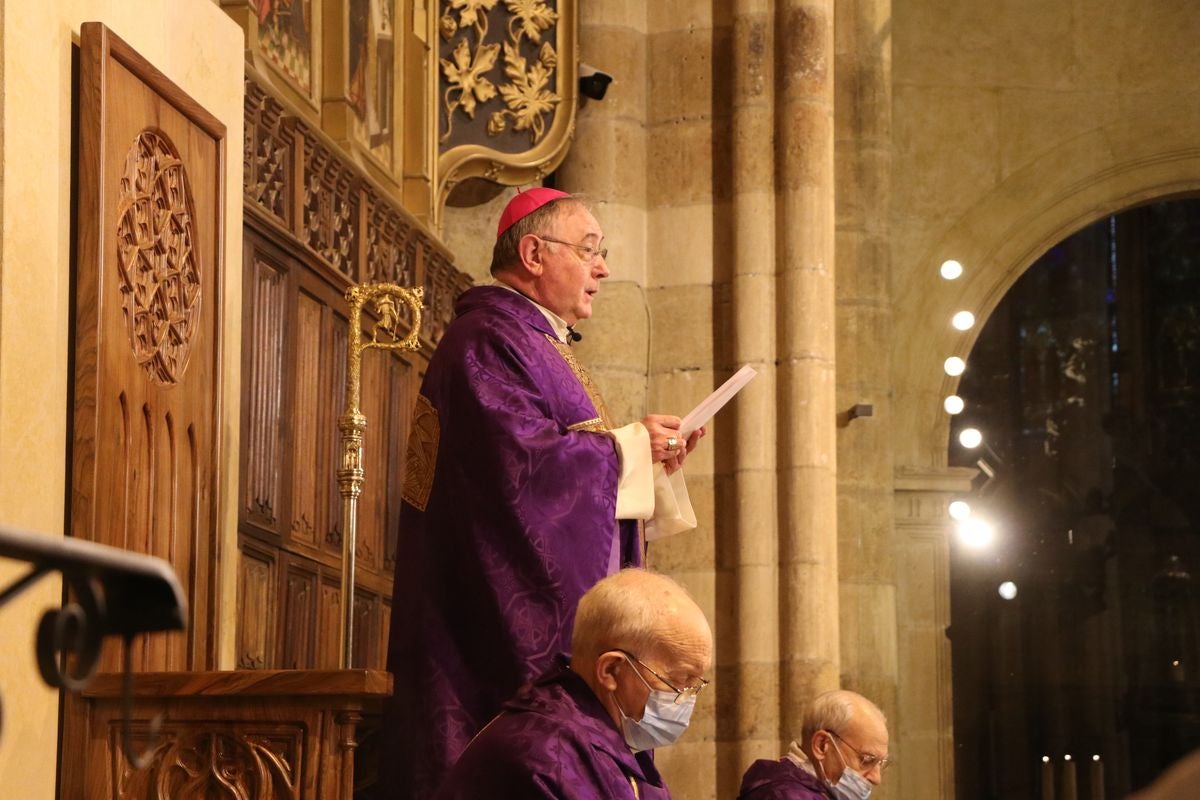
(421, 458)
(589, 386)
(595, 425)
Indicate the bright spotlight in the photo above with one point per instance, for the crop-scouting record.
(1008, 590)
(970, 438)
(954, 366)
(960, 509)
(951, 269)
(975, 533)
(963, 320)
(953, 404)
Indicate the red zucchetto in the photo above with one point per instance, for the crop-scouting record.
(524, 204)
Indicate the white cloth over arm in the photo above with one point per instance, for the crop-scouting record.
(645, 491)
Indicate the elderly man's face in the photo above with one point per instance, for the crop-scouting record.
(573, 271)
(681, 659)
(861, 745)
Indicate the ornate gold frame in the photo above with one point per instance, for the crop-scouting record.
(512, 169)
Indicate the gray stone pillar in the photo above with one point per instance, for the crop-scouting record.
(866, 535)
(805, 294)
(924, 739)
(748, 555)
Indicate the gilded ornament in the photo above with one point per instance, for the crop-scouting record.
(534, 16)
(465, 76)
(470, 11)
(526, 95)
(496, 123)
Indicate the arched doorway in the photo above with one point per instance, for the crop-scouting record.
(1075, 628)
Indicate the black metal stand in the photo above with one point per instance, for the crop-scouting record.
(112, 592)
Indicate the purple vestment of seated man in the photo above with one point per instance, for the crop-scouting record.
(782, 780)
(553, 740)
(509, 517)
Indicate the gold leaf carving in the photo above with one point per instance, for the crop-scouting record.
(470, 11)
(158, 268)
(527, 93)
(465, 76)
(534, 16)
(526, 96)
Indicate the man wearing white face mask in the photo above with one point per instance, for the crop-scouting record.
(841, 754)
(640, 648)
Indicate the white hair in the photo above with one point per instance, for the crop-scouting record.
(626, 611)
(832, 711)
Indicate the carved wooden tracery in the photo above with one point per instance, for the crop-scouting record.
(157, 263)
(200, 761)
(316, 224)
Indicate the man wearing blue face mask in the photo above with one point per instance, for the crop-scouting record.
(841, 754)
(640, 648)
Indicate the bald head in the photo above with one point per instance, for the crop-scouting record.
(638, 611)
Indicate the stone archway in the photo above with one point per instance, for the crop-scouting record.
(996, 238)
(999, 237)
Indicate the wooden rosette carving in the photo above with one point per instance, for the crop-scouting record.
(506, 89)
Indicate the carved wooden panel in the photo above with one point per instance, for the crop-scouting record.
(366, 619)
(400, 397)
(299, 613)
(256, 607)
(195, 760)
(329, 626)
(236, 735)
(146, 450)
(330, 202)
(316, 223)
(267, 154)
(388, 256)
(372, 514)
(265, 299)
(334, 371)
(309, 454)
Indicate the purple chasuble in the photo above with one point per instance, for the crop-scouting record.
(782, 780)
(553, 740)
(510, 495)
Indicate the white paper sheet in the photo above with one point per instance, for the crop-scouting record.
(710, 405)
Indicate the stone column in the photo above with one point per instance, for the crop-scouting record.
(607, 164)
(747, 570)
(925, 710)
(807, 447)
(866, 541)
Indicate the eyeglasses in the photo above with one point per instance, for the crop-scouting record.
(866, 761)
(590, 253)
(680, 694)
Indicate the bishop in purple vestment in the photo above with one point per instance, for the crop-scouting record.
(583, 731)
(515, 481)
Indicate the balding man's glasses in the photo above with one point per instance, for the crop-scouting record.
(680, 694)
(590, 253)
(867, 761)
